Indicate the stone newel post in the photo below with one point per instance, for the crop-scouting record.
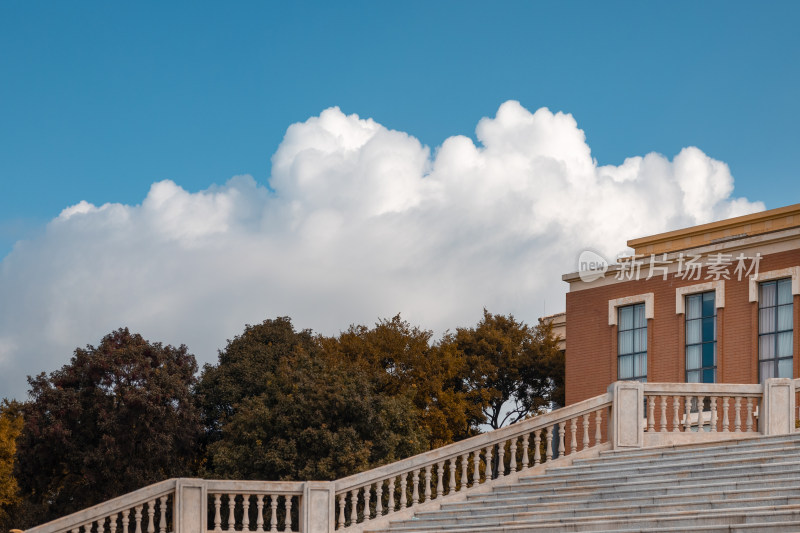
(317, 513)
(625, 428)
(189, 513)
(777, 409)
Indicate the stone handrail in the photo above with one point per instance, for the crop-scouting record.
(123, 512)
(630, 415)
(456, 467)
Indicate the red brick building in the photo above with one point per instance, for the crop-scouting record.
(710, 303)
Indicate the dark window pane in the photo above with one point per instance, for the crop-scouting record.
(708, 354)
(708, 375)
(708, 329)
(708, 304)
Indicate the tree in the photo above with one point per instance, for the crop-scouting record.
(407, 363)
(513, 370)
(10, 428)
(278, 408)
(119, 416)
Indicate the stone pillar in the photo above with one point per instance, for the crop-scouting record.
(776, 416)
(317, 513)
(189, 511)
(625, 429)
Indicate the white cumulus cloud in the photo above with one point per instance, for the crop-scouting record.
(359, 222)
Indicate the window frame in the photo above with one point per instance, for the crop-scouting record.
(701, 319)
(633, 354)
(776, 359)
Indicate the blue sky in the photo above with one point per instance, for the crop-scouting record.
(98, 100)
(393, 157)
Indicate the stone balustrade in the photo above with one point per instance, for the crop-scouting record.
(629, 415)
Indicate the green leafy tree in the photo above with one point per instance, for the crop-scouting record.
(407, 363)
(10, 428)
(278, 407)
(119, 416)
(513, 370)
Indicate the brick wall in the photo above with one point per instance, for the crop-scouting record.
(591, 362)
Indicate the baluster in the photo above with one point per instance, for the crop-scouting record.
(367, 499)
(354, 506)
(439, 480)
(245, 512)
(687, 424)
(464, 473)
(548, 454)
(737, 421)
(725, 421)
(713, 414)
(151, 513)
(488, 472)
(476, 463)
(415, 488)
(379, 499)
(260, 512)
(138, 518)
(501, 464)
(651, 412)
(125, 520)
(749, 414)
(537, 452)
(341, 510)
(451, 486)
(217, 515)
(525, 451)
(287, 506)
(231, 516)
(676, 423)
(273, 512)
(663, 420)
(561, 431)
(403, 496)
(701, 402)
(573, 435)
(512, 458)
(162, 522)
(585, 431)
(428, 483)
(598, 420)
(390, 505)
(100, 524)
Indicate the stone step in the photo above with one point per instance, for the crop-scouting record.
(754, 442)
(620, 509)
(686, 463)
(533, 504)
(641, 488)
(776, 449)
(658, 474)
(689, 520)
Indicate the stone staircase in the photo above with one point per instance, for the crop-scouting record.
(640, 457)
(749, 485)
